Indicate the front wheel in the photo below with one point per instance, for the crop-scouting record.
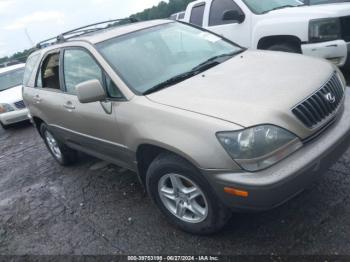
(62, 154)
(184, 196)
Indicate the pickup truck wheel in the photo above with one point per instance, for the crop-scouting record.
(61, 153)
(288, 48)
(185, 197)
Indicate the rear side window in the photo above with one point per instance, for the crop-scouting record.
(218, 9)
(79, 66)
(30, 66)
(197, 14)
(49, 73)
(173, 17)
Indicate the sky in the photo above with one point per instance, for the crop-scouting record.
(23, 22)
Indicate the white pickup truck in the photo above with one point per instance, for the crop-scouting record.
(319, 28)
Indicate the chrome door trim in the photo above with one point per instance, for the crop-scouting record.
(90, 137)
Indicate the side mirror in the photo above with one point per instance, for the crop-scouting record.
(233, 15)
(90, 91)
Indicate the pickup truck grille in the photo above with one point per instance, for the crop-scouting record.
(345, 26)
(20, 105)
(321, 105)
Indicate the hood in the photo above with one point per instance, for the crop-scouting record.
(256, 87)
(315, 11)
(11, 95)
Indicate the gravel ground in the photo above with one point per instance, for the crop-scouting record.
(97, 208)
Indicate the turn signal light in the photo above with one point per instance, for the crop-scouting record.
(236, 192)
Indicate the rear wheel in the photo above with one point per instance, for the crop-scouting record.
(184, 196)
(62, 154)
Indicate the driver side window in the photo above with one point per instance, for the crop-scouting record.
(219, 8)
(78, 67)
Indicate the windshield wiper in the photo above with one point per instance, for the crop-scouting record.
(172, 81)
(211, 62)
(281, 7)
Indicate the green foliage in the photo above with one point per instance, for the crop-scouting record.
(162, 10)
(17, 57)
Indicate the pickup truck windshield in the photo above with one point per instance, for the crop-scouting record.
(263, 6)
(160, 56)
(321, 2)
(11, 79)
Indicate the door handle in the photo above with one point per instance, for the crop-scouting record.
(69, 105)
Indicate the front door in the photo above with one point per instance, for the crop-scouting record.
(236, 31)
(92, 127)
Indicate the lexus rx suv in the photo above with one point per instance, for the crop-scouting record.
(207, 125)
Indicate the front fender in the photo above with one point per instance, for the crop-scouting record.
(297, 27)
(188, 134)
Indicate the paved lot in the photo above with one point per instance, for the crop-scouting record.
(96, 208)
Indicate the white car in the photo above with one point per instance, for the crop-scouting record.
(321, 30)
(12, 107)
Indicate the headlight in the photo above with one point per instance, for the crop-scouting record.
(322, 30)
(4, 108)
(259, 147)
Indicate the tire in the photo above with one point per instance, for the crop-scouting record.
(288, 48)
(213, 215)
(4, 126)
(61, 153)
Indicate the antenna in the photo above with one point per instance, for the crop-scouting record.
(28, 36)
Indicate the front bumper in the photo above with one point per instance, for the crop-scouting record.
(334, 51)
(276, 185)
(14, 117)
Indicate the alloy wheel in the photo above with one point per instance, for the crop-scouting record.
(53, 145)
(183, 198)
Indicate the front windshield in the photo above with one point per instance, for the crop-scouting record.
(147, 58)
(321, 2)
(11, 79)
(264, 6)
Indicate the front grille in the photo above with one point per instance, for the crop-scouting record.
(322, 105)
(345, 27)
(20, 105)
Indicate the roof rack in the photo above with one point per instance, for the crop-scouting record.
(85, 30)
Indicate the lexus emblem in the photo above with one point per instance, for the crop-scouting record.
(330, 98)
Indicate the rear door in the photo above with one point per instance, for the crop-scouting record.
(47, 96)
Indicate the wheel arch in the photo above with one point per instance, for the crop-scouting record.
(268, 41)
(37, 122)
(147, 152)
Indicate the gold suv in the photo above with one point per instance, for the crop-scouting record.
(207, 125)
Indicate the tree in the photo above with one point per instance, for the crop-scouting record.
(162, 10)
